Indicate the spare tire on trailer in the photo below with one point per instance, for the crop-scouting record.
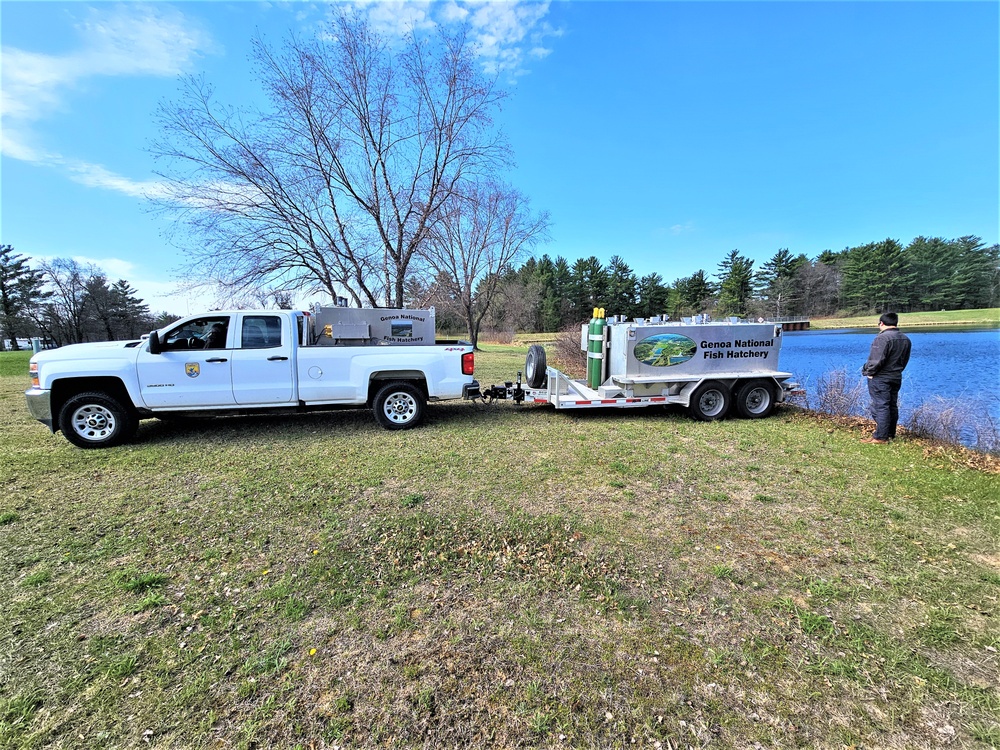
(755, 399)
(534, 366)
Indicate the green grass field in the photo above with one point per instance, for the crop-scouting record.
(989, 316)
(499, 577)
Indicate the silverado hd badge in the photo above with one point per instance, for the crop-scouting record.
(192, 369)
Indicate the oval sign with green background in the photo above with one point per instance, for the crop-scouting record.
(665, 350)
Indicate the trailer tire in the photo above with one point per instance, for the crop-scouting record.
(534, 366)
(755, 399)
(399, 406)
(710, 401)
(97, 420)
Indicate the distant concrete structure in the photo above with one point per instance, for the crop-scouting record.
(791, 323)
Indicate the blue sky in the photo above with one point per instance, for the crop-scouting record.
(668, 133)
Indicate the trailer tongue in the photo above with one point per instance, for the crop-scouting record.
(704, 366)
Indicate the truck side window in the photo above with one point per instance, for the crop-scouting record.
(261, 332)
(204, 333)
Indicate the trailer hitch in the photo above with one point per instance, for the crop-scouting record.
(509, 390)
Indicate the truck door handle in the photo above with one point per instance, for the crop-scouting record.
(277, 358)
(217, 359)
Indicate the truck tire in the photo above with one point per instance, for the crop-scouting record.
(399, 406)
(755, 399)
(97, 420)
(534, 366)
(710, 401)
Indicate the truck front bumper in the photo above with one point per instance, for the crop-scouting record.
(40, 406)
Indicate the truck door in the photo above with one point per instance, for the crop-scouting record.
(193, 370)
(263, 359)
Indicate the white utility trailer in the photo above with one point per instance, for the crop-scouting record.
(707, 367)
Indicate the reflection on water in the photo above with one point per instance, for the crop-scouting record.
(961, 364)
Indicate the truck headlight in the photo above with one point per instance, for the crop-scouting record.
(33, 371)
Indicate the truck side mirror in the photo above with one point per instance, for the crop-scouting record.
(154, 343)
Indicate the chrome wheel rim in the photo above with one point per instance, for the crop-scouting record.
(94, 422)
(758, 400)
(400, 407)
(711, 403)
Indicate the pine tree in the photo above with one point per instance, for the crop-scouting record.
(877, 277)
(621, 298)
(735, 284)
(21, 288)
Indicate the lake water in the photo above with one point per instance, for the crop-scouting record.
(956, 363)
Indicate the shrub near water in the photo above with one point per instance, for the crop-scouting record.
(957, 422)
(953, 421)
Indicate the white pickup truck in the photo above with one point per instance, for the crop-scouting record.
(247, 361)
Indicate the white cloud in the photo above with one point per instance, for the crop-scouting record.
(398, 17)
(137, 39)
(94, 175)
(506, 33)
(675, 230)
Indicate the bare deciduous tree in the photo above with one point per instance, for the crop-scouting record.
(338, 185)
(63, 318)
(480, 235)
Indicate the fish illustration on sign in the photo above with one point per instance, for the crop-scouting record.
(192, 369)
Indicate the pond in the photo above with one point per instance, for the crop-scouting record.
(960, 365)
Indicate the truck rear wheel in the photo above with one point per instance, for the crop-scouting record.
(755, 399)
(399, 406)
(710, 401)
(534, 366)
(97, 420)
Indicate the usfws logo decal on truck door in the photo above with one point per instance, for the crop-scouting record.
(192, 369)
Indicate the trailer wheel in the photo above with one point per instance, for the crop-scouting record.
(755, 399)
(96, 420)
(710, 401)
(399, 406)
(534, 366)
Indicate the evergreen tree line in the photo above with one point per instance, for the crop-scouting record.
(64, 302)
(550, 294)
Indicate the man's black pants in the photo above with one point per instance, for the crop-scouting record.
(885, 409)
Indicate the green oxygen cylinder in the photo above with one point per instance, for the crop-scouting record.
(595, 354)
(590, 348)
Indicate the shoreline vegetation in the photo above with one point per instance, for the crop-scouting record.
(985, 317)
(619, 578)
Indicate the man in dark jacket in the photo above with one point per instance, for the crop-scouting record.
(884, 370)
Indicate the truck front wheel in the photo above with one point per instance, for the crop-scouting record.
(96, 420)
(710, 401)
(755, 399)
(399, 406)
